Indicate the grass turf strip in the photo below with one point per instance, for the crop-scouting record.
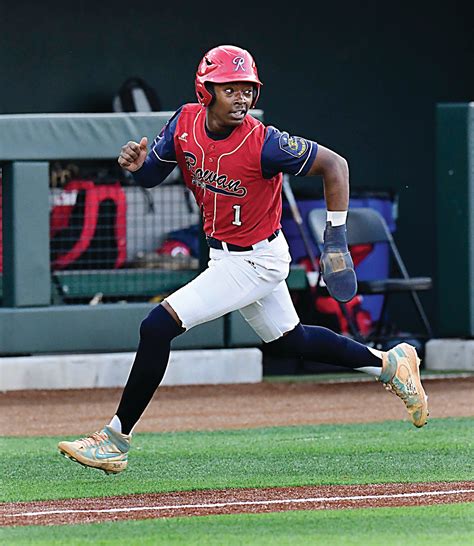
(394, 451)
(421, 526)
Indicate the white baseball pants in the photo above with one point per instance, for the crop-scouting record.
(252, 282)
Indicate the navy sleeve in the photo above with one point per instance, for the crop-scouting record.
(161, 159)
(282, 152)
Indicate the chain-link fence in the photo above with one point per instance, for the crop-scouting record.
(113, 241)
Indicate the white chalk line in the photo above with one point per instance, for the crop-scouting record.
(242, 503)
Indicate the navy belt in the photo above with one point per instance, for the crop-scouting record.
(215, 243)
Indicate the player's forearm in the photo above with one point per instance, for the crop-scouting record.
(335, 172)
(336, 185)
(152, 172)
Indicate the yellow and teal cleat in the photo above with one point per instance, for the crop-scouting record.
(401, 375)
(105, 450)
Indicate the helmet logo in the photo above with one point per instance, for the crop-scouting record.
(239, 62)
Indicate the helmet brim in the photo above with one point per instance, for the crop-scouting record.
(225, 79)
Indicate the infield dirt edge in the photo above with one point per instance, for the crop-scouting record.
(233, 501)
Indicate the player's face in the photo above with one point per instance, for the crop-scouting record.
(232, 103)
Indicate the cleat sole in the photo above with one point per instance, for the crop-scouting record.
(73, 459)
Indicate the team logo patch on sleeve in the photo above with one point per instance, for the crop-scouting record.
(293, 145)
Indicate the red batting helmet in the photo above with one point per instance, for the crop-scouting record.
(224, 64)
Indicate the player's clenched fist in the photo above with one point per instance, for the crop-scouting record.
(133, 155)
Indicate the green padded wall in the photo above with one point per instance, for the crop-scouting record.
(455, 219)
(25, 224)
(85, 328)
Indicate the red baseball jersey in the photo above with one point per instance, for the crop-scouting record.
(236, 180)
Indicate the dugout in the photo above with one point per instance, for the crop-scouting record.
(34, 317)
(53, 299)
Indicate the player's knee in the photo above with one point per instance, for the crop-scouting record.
(159, 322)
(147, 327)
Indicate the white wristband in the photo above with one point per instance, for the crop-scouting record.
(336, 217)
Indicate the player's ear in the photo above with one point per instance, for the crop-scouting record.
(210, 87)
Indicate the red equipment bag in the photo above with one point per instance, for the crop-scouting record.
(76, 223)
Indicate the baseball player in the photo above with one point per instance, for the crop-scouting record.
(233, 165)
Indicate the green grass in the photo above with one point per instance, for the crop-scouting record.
(443, 525)
(395, 451)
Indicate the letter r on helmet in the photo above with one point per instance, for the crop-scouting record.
(239, 62)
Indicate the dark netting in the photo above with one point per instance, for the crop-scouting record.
(112, 241)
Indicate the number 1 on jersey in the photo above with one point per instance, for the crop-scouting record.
(237, 221)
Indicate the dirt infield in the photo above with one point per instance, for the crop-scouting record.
(232, 501)
(72, 412)
(229, 406)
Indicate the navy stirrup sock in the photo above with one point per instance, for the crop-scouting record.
(322, 345)
(156, 332)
